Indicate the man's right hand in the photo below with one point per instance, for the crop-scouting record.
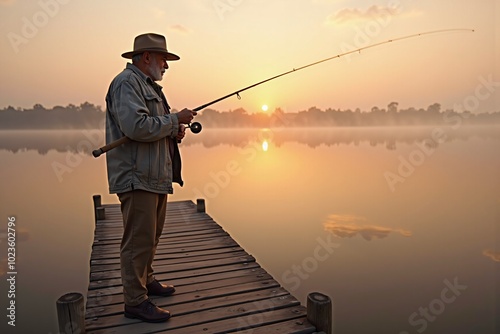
(185, 116)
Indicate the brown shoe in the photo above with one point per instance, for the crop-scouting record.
(147, 311)
(155, 288)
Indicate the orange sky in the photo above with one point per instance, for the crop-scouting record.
(57, 52)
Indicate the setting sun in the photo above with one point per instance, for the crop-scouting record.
(265, 107)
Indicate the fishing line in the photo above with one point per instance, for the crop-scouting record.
(196, 126)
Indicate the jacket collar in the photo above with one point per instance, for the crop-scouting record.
(143, 76)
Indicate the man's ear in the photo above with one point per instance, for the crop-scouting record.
(146, 57)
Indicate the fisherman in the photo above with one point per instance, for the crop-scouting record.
(141, 171)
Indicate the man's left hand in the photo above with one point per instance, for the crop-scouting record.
(181, 133)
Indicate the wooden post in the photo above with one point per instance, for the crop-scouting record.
(97, 201)
(98, 209)
(319, 312)
(71, 313)
(200, 205)
(99, 213)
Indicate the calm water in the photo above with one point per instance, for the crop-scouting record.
(399, 226)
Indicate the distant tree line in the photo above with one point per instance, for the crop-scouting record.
(84, 116)
(315, 117)
(89, 116)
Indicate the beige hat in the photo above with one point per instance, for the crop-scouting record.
(152, 43)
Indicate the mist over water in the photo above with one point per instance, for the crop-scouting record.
(399, 226)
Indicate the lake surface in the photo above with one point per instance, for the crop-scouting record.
(399, 226)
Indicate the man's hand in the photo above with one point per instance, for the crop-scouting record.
(185, 116)
(181, 133)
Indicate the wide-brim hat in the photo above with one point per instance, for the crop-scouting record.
(152, 43)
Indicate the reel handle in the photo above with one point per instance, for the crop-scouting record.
(195, 127)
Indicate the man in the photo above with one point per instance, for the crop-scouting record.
(141, 171)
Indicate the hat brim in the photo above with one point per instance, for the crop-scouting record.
(170, 56)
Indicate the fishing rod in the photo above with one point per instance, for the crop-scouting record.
(196, 126)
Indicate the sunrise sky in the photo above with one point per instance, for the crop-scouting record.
(57, 52)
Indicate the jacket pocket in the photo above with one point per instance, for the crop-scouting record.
(142, 163)
(153, 103)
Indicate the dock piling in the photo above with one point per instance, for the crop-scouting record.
(200, 205)
(98, 208)
(319, 312)
(71, 313)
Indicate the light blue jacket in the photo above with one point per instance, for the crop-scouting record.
(137, 108)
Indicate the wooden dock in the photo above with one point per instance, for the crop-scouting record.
(220, 288)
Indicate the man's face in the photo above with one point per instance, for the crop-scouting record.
(157, 66)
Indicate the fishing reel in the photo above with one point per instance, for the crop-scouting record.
(195, 127)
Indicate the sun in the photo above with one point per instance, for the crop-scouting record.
(265, 108)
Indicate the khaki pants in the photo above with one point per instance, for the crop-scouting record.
(143, 218)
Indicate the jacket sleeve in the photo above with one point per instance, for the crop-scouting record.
(131, 112)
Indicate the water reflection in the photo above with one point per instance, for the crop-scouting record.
(349, 226)
(493, 255)
(84, 141)
(277, 205)
(42, 141)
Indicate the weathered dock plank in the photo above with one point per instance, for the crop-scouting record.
(219, 286)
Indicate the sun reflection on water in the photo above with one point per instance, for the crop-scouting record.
(265, 146)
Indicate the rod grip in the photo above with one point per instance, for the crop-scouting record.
(97, 153)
